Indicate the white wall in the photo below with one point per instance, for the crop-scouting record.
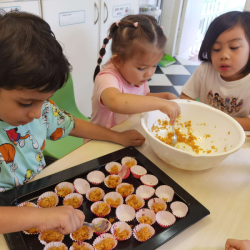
(247, 6)
(170, 22)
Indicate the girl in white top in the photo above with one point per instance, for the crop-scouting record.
(223, 80)
(121, 86)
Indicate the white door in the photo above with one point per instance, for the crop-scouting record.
(112, 11)
(75, 24)
(189, 25)
(31, 6)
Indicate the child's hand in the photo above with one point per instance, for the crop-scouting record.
(64, 219)
(232, 244)
(131, 138)
(170, 96)
(171, 109)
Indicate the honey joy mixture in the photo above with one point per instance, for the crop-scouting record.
(157, 207)
(189, 139)
(113, 181)
(113, 203)
(58, 248)
(123, 235)
(146, 220)
(101, 209)
(47, 202)
(79, 246)
(81, 234)
(33, 231)
(125, 190)
(74, 202)
(95, 195)
(143, 234)
(165, 199)
(134, 202)
(130, 164)
(51, 235)
(106, 244)
(63, 191)
(114, 170)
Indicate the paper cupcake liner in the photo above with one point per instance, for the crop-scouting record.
(64, 185)
(138, 171)
(104, 236)
(149, 180)
(165, 192)
(125, 213)
(55, 244)
(138, 197)
(23, 204)
(114, 196)
(113, 175)
(71, 196)
(94, 205)
(96, 177)
(122, 184)
(47, 194)
(90, 235)
(87, 245)
(112, 164)
(145, 192)
(179, 209)
(93, 189)
(165, 219)
(44, 242)
(139, 227)
(97, 220)
(158, 201)
(122, 226)
(146, 212)
(127, 158)
(81, 186)
(125, 172)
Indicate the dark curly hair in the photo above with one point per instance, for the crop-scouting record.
(128, 40)
(30, 55)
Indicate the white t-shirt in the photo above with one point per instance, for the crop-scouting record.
(231, 97)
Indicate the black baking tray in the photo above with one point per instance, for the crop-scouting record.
(31, 191)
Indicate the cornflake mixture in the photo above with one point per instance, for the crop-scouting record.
(157, 207)
(106, 244)
(121, 235)
(95, 195)
(113, 203)
(79, 247)
(125, 190)
(74, 202)
(47, 202)
(101, 209)
(184, 138)
(113, 181)
(51, 235)
(114, 169)
(81, 234)
(134, 202)
(57, 248)
(146, 220)
(63, 191)
(130, 164)
(143, 234)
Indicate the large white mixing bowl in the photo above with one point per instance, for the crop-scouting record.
(225, 134)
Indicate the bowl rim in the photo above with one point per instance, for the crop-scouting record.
(240, 129)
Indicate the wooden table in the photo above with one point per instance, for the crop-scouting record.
(224, 190)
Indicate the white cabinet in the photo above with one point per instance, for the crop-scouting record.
(75, 24)
(112, 11)
(81, 26)
(32, 6)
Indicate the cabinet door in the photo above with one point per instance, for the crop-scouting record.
(32, 6)
(113, 11)
(75, 24)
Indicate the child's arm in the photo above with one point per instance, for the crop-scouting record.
(183, 96)
(123, 103)
(64, 219)
(164, 95)
(232, 244)
(88, 130)
(244, 122)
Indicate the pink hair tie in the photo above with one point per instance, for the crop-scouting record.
(161, 27)
(98, 64)
(104, 46)
(101, 57)
(117, 23)
(136, 24)
(108, 37)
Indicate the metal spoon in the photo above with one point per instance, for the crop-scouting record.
(174, 141)
(99, 227)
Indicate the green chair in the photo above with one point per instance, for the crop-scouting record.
(65, 99)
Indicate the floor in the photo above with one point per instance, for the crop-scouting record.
(173, 77)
